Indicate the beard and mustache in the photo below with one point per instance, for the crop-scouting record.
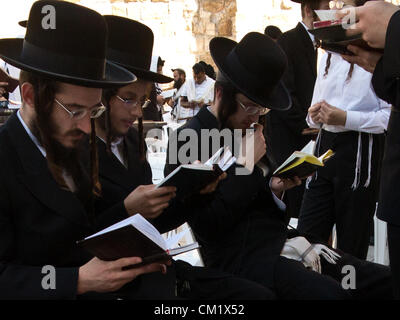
(178, 84)
(74, 161)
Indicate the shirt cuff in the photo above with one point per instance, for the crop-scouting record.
(352, 120)
(281, 205)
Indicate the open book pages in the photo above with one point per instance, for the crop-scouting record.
(140, 224)
(223, 158)
(305, 155)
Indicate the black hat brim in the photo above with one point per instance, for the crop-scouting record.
(23, 23)
(146, 74)
(115, 76)
(278, 99)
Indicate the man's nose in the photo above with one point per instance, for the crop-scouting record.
(85, 125)
(137, 112)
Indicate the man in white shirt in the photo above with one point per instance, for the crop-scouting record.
(198, 92)
(14, 98)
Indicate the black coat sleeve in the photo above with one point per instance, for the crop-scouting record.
(18, 281)
(386, 79)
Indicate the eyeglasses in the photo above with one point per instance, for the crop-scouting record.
(253, 110)
(129, 103)
(81, 113)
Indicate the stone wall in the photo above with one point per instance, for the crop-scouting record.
(182, 28)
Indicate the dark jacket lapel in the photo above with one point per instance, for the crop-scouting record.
(36, 176)
(110, 167)
(307, 45)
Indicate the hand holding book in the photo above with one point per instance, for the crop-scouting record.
(366, 59)
(133, 237)
(108, 276)
(200, 178)
(149, 200)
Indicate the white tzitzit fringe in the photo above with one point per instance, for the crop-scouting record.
(357, 171)
(371, 142)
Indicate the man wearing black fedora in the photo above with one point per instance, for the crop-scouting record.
(46, 189)
(126, 177)
(241, 226)
(284, 131)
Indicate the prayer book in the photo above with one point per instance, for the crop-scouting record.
(302, 163)
(191, 178)
(133, 237)
(331, 36)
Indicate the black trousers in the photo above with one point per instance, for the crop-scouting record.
(330, 199)
(184, 281)
(394, 256)
(295, 282)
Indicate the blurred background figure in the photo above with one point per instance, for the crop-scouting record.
(179, 83)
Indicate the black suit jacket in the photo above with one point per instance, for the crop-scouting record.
(386, 81)
(118, 182)
(239, 226)
(284, 128)
(39, 222)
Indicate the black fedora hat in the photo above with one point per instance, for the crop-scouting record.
(72, 51)
(130, 44)
(255, 67)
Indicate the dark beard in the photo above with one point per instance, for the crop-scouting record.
(178, 84)
(75, 161)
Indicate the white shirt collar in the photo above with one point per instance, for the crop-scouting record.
(310, 34)
(30, 134)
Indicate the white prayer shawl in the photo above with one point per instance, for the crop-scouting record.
(193, 93)
(208, 94)
(177, 99)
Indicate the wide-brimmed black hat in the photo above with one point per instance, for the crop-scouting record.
(255, 67)
(73, 50)
(130, 44)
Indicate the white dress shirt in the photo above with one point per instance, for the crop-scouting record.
(365, 111)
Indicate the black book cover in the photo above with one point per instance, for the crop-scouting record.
(189, 180)
(123, 243)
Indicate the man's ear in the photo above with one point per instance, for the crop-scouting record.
(218, 94)
(28, 94)
(308, 11)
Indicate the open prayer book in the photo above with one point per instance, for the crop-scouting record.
(191, 178)
(133, 237)
(302, 163)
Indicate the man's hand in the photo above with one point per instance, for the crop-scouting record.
(373, 20)
(364, 58)
(278, 185)
(149, 201)
(324, 113)
(108, 276)
(160, 100)
(255, 143)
